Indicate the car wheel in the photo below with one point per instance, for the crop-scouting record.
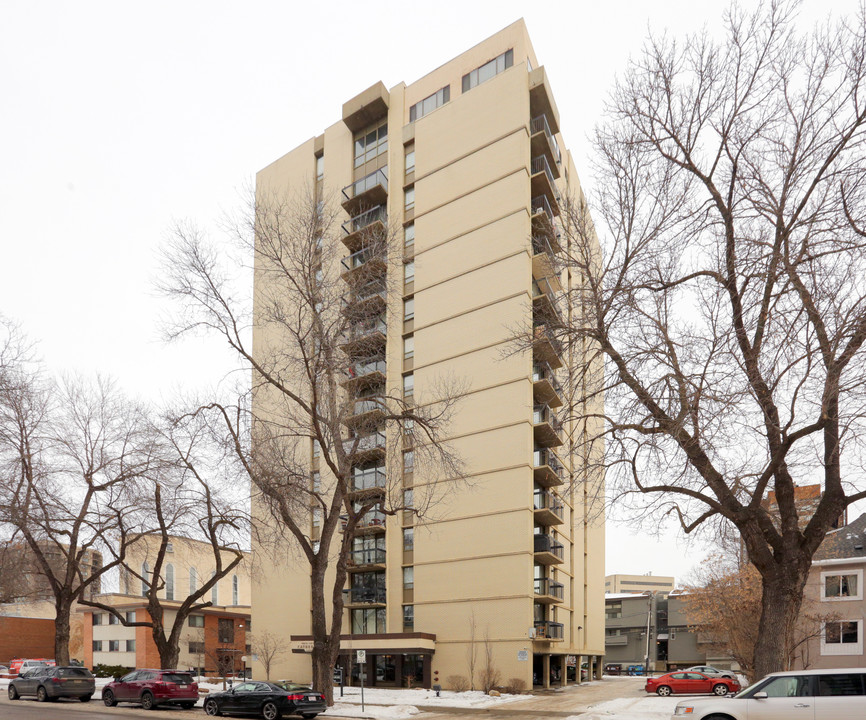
(147, 701)
(85, 698)
(13, 693)
(41, 694)
(663, 690)
(211, 708)
(720, 689)
(108, 698)
(270, 711)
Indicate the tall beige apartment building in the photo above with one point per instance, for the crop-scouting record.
(468, 163)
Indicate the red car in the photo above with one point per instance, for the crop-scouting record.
(690, 683)
(150, 688)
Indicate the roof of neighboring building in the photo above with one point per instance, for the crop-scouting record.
(846, 542)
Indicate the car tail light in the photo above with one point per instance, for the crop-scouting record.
(56, 681)
(294, 697)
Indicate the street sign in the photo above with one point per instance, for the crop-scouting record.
(338, 676)
(361, 656)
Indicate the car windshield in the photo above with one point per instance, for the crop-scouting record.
(179, 678)
(751, 688)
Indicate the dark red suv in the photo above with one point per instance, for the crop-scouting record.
(150, 688)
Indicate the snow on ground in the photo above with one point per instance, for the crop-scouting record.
(392, 704)
(650, 707)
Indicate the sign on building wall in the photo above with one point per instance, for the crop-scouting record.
(305, 646)
(523, 655)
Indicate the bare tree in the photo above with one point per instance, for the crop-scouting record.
(730, 305)
(472, 649)
(72, 454)
(269, 648)
(491, 676)
(325, 443)
(192, 499)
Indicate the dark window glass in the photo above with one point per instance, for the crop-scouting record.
(840, 684)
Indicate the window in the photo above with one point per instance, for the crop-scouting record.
(409, 498)
(169, 582)
(409, 272)
(144, 573)
(193, 581)
(97, 618)
(320, 167)
(488, 70)
(842, 586)
(787, 686)
(196, 648)
(114, 646)
(841, 684)
(408, 347)
(317, 516)
(130, 646)
(368, 621)
(97, 646)
(410, 159)
(196, 621)
(409, 203)
(409, 461)
(408, 617)
(226, 630)
(235, 590)
(169, 547)
(409, 385)
(409, 309)
(409, 236)
(316, 448)
(429, 103)
(371, 144)
(408, 578)
(113, 620)
(317, 482)
(214, 593)
(842, 638)
(130, 616)
(408, 539)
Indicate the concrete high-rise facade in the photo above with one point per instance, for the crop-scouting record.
(469, 164)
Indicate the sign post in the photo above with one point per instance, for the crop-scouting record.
(361, 656)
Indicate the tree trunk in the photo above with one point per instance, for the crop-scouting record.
(781, 598)
(168, 651)
(63, 608)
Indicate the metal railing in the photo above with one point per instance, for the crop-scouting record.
(372, 478)
(365, 328)
(359, 258)
(365, 443)
(542, 413)
(366, 366)
(540, 164)
(546, 500)
(357, 595)
(541, 244)
(548, 630)
(542, 371)
(539, 124)
(546, 586)
(540, 204)
(548, 544)
(368, 182)
(544, 457)
(368, 217)
(367, 556)
(542, 333)
(372, 518)
(365, 405)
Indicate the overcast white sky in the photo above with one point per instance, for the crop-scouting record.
(117, 118)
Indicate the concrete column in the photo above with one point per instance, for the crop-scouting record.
(545, 670)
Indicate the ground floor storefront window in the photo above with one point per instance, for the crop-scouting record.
(388, 670)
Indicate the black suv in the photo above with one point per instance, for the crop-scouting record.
(50, 683)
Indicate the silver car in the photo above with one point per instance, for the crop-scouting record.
(797, 695)
(50, 683)
(711, 671)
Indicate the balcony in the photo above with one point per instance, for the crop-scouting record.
(548, 550)
(548, 591)
(364, 597)
(545, 386)
(373, 522)
(362, 448)
(541, 100)
(367, 411)
(544, 303)
(548, 471)
(544, 142)
(363, 264)
(544, 182)
(365, 227)
(548, 508)
(371, 481)
(365, 372)
(546, 630)
(365, 338)
(616, 639)
(544, 249)
(366, 559)
(546, 427)
(365, 300)
(544, 222)
(368, 192)
(547, 347)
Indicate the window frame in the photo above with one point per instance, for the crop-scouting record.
(858, 573)
(842, 648)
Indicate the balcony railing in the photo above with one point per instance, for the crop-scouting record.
(366, 218)
(544, 500)
(362, 294)
(367, 405)
(370, 479)
(542, 413)
(367, 556)
(364, 444)
(541, 244)
(546, 458)
(540, 164)
(364, 329)
(360, 258)
(540, 204)
(544, 336)
(369, 182)
(546, 630)
(365, 596)
(543, 371)
(372, 520)
(366, 366)
(549, 544)
(549, 588)
(540, 124)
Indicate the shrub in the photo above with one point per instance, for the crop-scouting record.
(515, 686)
(110, 671)
(490, 677)
(458, 683)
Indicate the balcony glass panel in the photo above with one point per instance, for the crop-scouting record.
(359, 222)
(544, 500)
(380, 177)
(368, 478)
(357, 259)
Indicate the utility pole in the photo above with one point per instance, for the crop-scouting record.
(649, 606)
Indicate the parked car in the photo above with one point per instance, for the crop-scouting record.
(813, 694)
(711, 671)
(636, 670)
(612, 669)
(49, 683)
(266, 699)
(19, 665)
(690, 683)
(151, 688)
